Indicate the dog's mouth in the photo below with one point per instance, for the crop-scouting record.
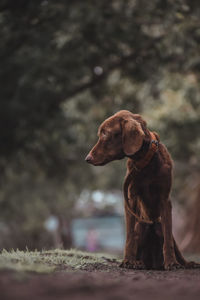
(99, 163)
(103, 163)
(91, 159)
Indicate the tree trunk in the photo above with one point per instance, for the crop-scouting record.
(191, 239)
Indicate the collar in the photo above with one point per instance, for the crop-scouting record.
(144, 161)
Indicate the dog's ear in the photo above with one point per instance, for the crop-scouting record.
(132, 136)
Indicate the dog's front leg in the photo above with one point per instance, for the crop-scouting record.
(170, 261)
(133, 235)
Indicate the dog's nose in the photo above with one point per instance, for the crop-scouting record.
(89, 158)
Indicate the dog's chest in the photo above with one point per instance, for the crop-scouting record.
(148, 190)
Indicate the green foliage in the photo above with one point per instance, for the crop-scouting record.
(51, 51)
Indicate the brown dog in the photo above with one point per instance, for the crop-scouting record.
(149, 239)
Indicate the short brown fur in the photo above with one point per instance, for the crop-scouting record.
(147, 245)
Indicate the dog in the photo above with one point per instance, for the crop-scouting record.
(148, 209)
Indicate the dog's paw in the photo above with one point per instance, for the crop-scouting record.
(172, 266)
(132, 264)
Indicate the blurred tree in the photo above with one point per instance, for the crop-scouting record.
(55, 50)
(190, 233)
(65, 66)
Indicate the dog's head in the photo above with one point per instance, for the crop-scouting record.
(119, 136)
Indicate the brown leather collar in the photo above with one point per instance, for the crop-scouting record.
(153, 147)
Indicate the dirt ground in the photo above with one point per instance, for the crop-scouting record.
(97, 281)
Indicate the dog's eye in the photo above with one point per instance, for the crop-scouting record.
(102, 134)
(105, 134)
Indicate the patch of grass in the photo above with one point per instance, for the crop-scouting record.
(51, 260)
(193, 257)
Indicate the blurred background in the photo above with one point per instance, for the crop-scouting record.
(65, 67)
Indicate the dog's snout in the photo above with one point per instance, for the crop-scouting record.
(89, 158)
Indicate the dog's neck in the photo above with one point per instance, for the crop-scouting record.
(144, 155)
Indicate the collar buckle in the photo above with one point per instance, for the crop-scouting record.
(155, 142)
